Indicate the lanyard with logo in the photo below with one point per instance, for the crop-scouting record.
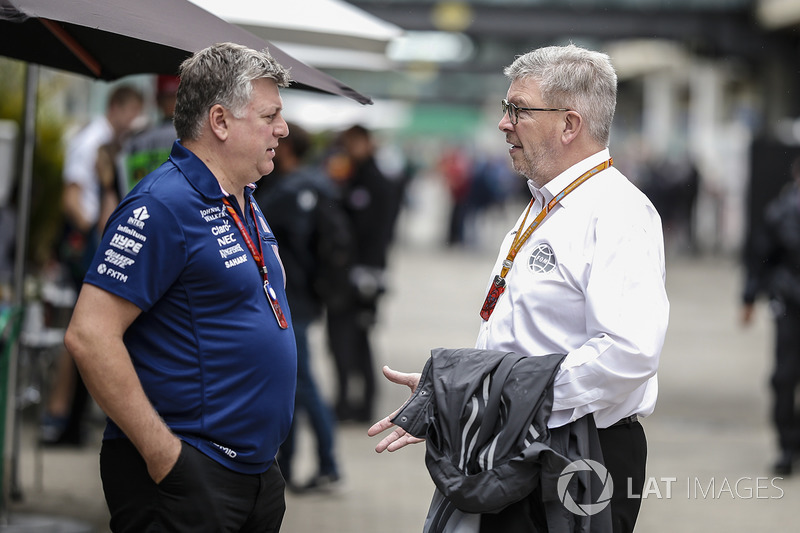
(258, 256)
(499, 284)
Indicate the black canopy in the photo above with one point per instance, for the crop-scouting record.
(109, 39)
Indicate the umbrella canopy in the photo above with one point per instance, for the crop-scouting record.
(322, 33)
(328, 23)
(109, 39)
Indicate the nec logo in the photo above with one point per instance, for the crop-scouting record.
(139, 216)
(126, 244)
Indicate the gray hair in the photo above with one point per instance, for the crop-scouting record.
(221, 74)
(576, 78)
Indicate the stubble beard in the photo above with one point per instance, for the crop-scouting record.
(536, 165)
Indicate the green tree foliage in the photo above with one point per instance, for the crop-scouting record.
(48, 159)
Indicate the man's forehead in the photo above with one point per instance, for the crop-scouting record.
(267, 92)
(524, 88)
(266, 85)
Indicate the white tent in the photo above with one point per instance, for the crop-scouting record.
(321, 33)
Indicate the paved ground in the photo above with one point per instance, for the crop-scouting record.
(710, 443)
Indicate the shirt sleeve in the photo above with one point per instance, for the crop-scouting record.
(627, 312)
(142, 252)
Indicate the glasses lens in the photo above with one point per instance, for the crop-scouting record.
(511, 110)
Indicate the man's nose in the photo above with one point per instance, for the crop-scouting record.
(505, 123)
(282, 129)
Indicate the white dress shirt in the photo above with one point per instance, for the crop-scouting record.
(80, 164)
(589, 283)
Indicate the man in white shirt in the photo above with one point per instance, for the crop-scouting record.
(588, 280)
(84, 187)
(89, 196)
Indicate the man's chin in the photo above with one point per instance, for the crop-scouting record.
(266, 169)
(521, 170)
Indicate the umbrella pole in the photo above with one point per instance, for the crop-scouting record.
(10, 456)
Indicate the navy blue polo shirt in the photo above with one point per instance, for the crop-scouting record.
(206, 347)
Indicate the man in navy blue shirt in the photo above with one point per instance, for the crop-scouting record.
(182, 331)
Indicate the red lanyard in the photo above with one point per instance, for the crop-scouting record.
(499, 283)
(258, 256)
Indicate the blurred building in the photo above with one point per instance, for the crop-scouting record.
(713, 81)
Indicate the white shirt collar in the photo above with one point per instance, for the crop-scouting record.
(557, 184)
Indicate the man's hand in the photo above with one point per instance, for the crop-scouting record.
(94, 338)
(397, 438)
(160, 463)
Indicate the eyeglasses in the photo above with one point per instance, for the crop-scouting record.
(513, 110)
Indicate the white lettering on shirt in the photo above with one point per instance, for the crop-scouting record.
(102, 269)
(227, 451)
(117, 259)
(131, 232)
(235, 261)
(134, 222)
(225, 240)
(227, 252)
(126, 244)
(220, 229)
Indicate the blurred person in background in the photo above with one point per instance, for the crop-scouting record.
(773, 271)
(302, 208)
(182, 331)
(370, 201)
(581, 274)
(672, 183)
(454, 166)
(146, 150)
(90, 195)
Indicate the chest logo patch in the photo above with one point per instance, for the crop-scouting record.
(542, 259)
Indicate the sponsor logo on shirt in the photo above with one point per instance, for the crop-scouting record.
(227, 451)
(104, 270)
(231, 250)
(117, 259)
(542, 259)
(126, 244)
(140, 213)
(139, 216)
(132, 232)
(226, 238)
(212, 213)
(220, 229)
(236, 261)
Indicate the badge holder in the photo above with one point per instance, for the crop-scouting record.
(497, 289)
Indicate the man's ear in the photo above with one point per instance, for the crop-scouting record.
(218, 121)
(573, 124)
